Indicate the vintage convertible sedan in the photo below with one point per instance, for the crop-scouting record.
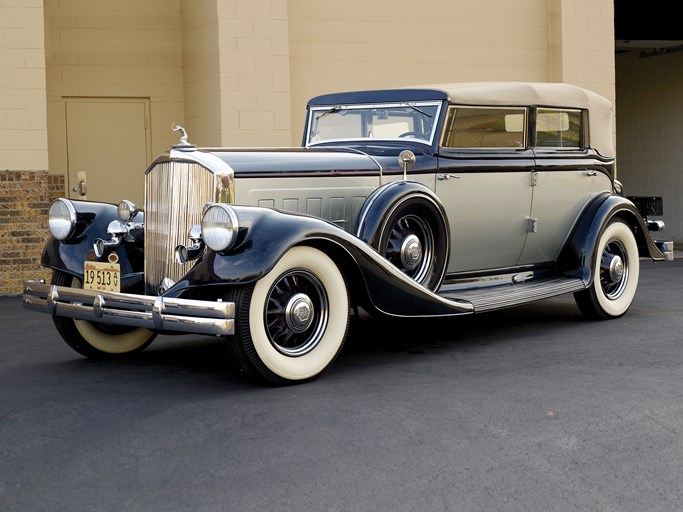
(427, 201)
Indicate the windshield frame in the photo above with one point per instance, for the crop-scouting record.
(321, 110)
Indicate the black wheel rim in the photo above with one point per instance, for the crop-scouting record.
(614, 269)
(410, 247)
(296, 313)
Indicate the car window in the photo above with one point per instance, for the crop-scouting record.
(558, 128)
(485, 127)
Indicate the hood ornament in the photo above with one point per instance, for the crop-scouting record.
(183, 145)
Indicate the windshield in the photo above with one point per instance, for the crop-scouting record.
(388, 121)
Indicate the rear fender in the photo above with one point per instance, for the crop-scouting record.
(578, 255)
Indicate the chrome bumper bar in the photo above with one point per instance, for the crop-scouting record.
(155, 313)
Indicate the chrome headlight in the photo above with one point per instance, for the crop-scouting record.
(126, 211)
(62, 219)
(219, 226)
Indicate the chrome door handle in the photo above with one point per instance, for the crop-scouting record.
(591, 173)
(443, 177)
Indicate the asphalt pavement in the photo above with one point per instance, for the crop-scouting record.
(527, 409)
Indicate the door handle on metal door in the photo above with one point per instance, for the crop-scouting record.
(447, 177)
(591, 173)
(80, 188)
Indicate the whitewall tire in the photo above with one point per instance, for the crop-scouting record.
(292, 323)
(615, 274)
(97, 340)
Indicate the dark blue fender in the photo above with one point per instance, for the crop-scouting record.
(578, 255)
(92, 221)
(380, 202)
(265, 235)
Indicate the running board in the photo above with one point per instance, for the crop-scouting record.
(511, 294)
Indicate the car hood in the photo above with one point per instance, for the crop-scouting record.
(297, 161)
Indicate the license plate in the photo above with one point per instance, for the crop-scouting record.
(102, 276)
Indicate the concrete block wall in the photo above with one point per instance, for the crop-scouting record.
(584, 31)
(357, 44)
(254, 73)
(24, 187)
(101, 49)
(201, 76)
(23, 129)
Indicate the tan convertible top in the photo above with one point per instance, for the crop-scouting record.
(539, 94)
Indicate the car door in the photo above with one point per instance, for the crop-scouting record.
(562, 182)
(483, 181)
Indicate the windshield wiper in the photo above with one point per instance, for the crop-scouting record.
(419, 110)
(330, 111)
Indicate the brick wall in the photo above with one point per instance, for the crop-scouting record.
(25, 197)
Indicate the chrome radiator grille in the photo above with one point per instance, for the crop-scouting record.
(175, 193)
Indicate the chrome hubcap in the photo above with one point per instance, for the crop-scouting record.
(614, 269)
(296, 314)
(299, 313)
(410, 247)
(411, 252)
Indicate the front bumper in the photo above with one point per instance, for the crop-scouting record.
(150, 312)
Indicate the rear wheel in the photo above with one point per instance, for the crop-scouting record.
(292, 323)
(615, 274)
(96, 340)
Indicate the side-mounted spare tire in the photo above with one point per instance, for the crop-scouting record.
(406, 224)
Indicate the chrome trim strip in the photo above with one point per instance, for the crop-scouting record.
(156, 313)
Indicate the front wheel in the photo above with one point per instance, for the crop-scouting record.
(615, 274)
(97, 340)
(292, 323)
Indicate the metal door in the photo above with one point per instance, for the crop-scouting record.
(108, 148)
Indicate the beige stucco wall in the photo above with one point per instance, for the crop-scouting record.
(127, 48)
(650, 153)
(23, 125)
